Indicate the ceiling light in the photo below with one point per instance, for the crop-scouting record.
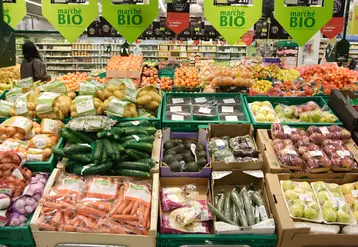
(34, 3)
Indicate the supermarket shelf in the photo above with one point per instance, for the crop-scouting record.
(72, 69)
(56, 50)
(150, 50)
(59, 57)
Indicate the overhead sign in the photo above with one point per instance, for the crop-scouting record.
(178, 17)
(130, 20)
(232, 22)
(248, 37)
(70, 19)
(302, 23)
(333, 27)
(14, 11)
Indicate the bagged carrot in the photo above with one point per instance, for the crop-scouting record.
(68, 188)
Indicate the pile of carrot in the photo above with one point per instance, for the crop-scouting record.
(97, 204)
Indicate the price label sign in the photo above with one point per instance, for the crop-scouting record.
(14, 11)
(127, 1)
(233, 21)
(302, 23)
(70, 17)
(130, 20)
(232, 2)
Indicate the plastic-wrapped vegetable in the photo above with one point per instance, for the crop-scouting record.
(170, 225)
(177, 197)
(90, 123)
(335, 210)
(24, 205)
(239, 204)
(243, 146)
(17, 219)
(217, 144)
(248, 206)
(301, 201)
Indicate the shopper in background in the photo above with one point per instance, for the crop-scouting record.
(32, 65)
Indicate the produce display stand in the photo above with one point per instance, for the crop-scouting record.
(17, 236)
(193, 125)
(48, 238)
(287, 101)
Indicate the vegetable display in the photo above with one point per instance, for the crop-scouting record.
(242, 207)
(263, 112)
(113, 205)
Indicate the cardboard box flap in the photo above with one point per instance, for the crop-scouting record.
(232, 178)
(231, 130)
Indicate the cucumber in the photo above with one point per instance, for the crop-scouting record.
(234, 214)
(134, 166)
(109, 134)
(116, 151)
(136, 155)
(98, 152)
(248, 206)
(239, 207)
(133, 137)
(69, 136)
(104, 156)
(93, 169)
(135, 131)
(227, 209)
(133, 173)
(83, 137)
(148, 139)
(219, 215)
(116, 137)
(101, 134)
(58, 151)
(221, 200)
(150, 129)
(256, 197)
(143, 123)
(77, 148)
(108, 147)
(117, 130)
(85, 158)
(149, 161)
(140, 146)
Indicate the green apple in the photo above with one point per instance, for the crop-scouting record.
(270, 117)
(260, 117)
(279, 108)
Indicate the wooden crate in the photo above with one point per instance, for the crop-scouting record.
(51, 239)
(157, 145)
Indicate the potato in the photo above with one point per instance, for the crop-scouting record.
(107, 94)
(142, 93)
(30, 106)
(134, 112)
(111, 88)
(56, 104)
(12, 111)
(100, 95)
(99, 110)
(127, 114)
(64, 108)
(144, 100)
(118, 94)
(18, 136)
(73, 108)
(155, 96)
(74, 114)
(122, 87)
(152, 105)
(10, 131)
(56, 109)
(60, 115)
(72, 95)
(97, 104)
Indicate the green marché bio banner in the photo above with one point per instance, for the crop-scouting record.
(301, 23)
(71, 20)
(130, 20)
(14, 12)
(232, 22)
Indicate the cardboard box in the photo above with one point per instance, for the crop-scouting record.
(234, 130)
(226, 181)
(343, 109)
(52, 238)
(200, 136)
(271, 162)
(202, 189)
(290, 236)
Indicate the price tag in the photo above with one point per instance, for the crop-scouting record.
(178, 100)
(324, 130)
(343, 153)
(200, 100)
(229, 101)
(176, 109)
(316, 153)
(177, 117)
(290, 151)
(229, 109)
(287, 129)
(231, 118)
(135, 123)
(136, 137)
(354, 193)
(205, 110)
(305, 197)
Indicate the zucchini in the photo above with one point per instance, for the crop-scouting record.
(140, 146)
(117, 153)
(84, 158)
(219, 215)
(239, 207)
(83, 137)
(109, 150)
(227, 209)
(149, 161)
(101, 134)
(77, 148)
(143, 123)
(133, 138)
(104, 156)
(221, 200)
(69, 136)
(98, 152)
(117, 130)
(136, 155)
(134, 166)
(133, 173)
(135, 131)
(248, 206)
(92, 169)
(150, 129)
(58, 151)
(148, 139)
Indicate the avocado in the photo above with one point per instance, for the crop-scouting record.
(201, 154)
(200, 147)
(175, 166)
(192, 167)
(179, 157)
(178, 149)
(187, 144)
(176, 142)
(188, 157)
(169, 158)
(202, 162)
(168, 145)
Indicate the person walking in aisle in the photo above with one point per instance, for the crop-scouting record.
(32, 64)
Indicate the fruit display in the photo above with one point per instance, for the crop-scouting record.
(72, 80)
(180, 157)
(8, 75)
(125, 63)
(341, 158)
(262, 86)
(334, 132)
(149, 76)
(225, 76)
(349, 191)
(236, 149)
(239, 207)
(263, 111)
(335, 210)
(288, 75)
(287, 154)
(166, 83)
(261, 71)
(186, 77)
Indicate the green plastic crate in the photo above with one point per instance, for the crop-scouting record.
(19, 236)
(2, 96)
(287, 101)
(156, 122)
(168, 72)
(193, 125)
(45, 166)
(178, 240)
